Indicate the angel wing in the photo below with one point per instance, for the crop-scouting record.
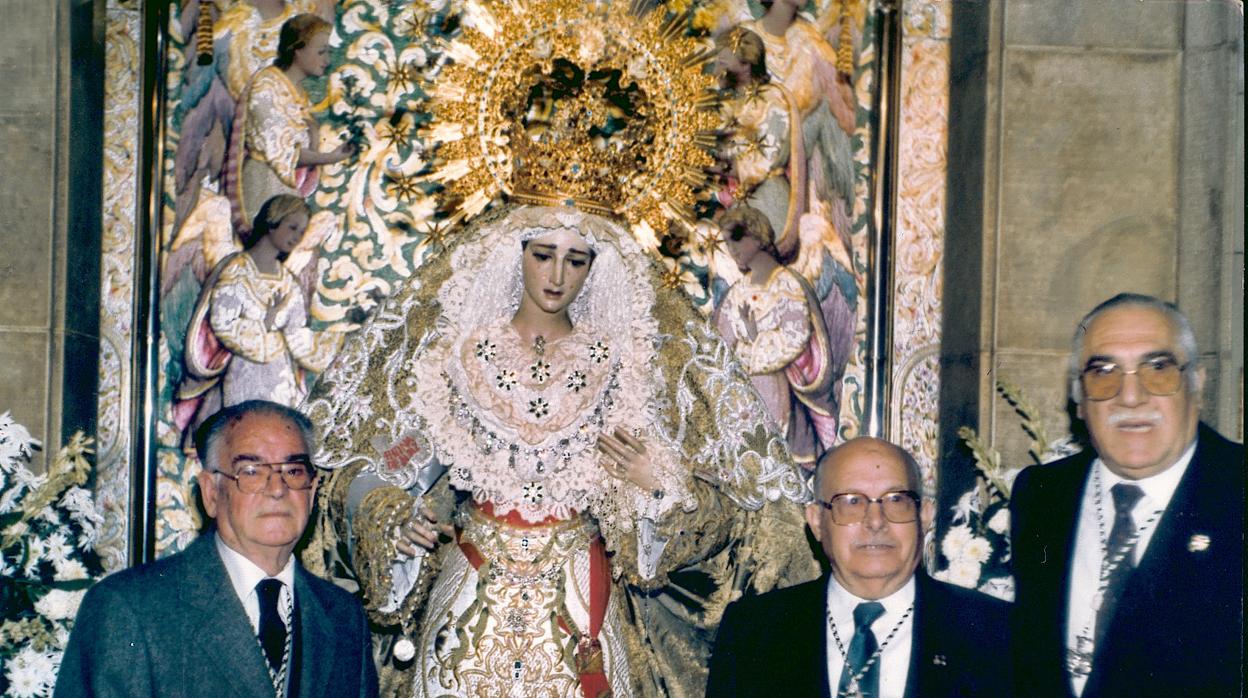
(202, 242)
(825, 262)
(204, 116)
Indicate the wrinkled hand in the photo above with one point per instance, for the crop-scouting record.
(626, 459)
(422, 529)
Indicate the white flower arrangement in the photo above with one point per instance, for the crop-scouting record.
(48, 528)
(976, 548)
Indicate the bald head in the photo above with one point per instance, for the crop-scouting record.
(914, 476)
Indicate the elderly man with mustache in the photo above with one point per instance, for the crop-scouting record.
(1128, 557)
(877, 625)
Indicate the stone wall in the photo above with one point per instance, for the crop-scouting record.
(51, 56)
(1096, 147)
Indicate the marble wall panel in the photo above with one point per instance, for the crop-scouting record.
(26, 218)
(28, 57)
(27, 132)
(24, 381)
(1207, 107)
(1088, 189)
(1105, 23)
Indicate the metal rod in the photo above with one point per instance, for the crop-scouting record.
(145, 344)
(877, 393)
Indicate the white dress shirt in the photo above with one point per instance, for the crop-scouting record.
(894, 661)
(244, 575)
(1090, 538)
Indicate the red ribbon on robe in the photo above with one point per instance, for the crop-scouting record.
(589, 660)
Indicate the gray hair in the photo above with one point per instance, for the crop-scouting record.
(1183, 328)
(208, 435)
(914, 475)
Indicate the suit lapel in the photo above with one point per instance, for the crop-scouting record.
(1063, 507)
(919, 642)
(1047, 510)
(235, 658)
(1163, 570)
(810, 634)
(315, 633)
(928, 674)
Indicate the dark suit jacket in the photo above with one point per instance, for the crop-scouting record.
(1177, 630)
(175, 627)
(776, 644)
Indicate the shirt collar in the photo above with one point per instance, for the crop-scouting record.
(245, 574)
(841, 603)
(1158, 488)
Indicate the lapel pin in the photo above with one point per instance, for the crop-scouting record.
(1198, 543)
(939, 660)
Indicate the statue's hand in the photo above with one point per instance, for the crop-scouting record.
(271, 313)
(422, 529)
(751, 326)
(342, 152)
(626, 459)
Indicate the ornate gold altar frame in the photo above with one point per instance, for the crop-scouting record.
(901, 381)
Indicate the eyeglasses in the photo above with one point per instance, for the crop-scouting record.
(253, 478)
(849, 508)
(1160, 375)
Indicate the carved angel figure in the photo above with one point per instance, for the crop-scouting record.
(248, 335)
(793, 346)
(274, 144)
(240, 37)
(789, 240)
(549, 477)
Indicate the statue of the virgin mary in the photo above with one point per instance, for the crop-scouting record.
(549, 475)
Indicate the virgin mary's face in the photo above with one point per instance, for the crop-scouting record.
(555, 266)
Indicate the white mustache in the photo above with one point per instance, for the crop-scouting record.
(1120, 417)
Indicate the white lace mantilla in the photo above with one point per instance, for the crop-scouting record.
(519, 430)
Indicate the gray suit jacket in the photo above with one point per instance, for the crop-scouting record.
(175, 627)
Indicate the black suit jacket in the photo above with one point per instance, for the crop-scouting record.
(175, 627)
(1177, 629)
(776, 644)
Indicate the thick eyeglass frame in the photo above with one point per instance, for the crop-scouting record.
(1148, 371)
(830, 505)
(279, 468)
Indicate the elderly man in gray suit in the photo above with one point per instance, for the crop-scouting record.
(233, 614)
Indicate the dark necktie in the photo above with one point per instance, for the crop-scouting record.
(272, 629)
(861, 648)
(1125, 497)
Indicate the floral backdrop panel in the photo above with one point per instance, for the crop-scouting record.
(299, 189)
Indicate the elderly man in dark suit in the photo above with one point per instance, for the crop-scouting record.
(877, 625)
(1128, 558)
(233, 614)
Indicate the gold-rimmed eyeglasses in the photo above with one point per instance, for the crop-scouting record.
(1160, 375)
(253, 478)
(849, 508)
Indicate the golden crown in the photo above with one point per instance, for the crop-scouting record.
(600, 105)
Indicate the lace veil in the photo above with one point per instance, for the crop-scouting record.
(701, 404)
